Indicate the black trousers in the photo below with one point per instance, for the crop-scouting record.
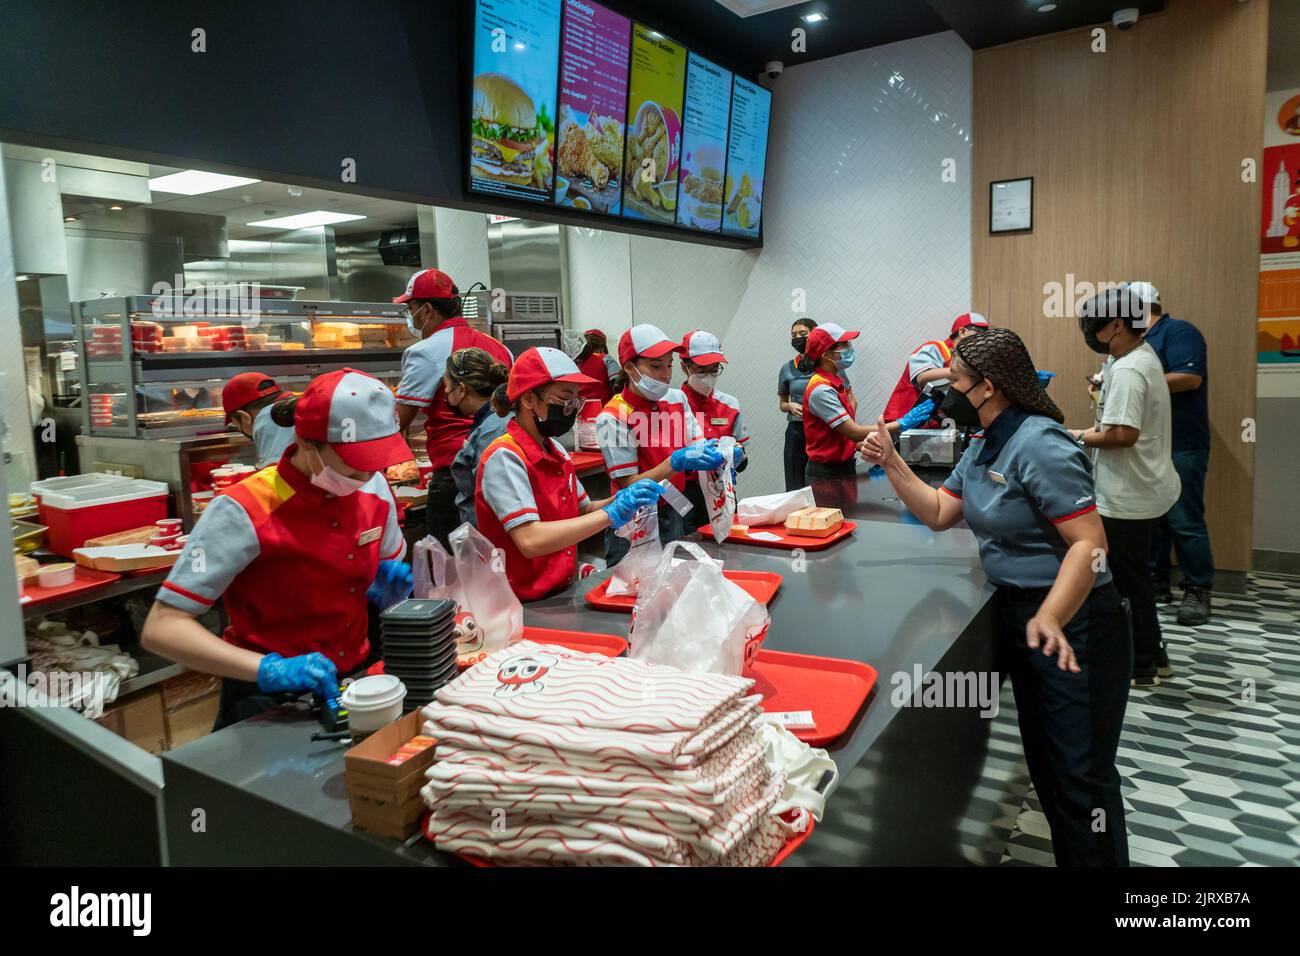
(796, 455)
(1128, 558)
(440, 511)
(1070, 723)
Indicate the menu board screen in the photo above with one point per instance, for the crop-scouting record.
(593, 107)
(704, 144)
(751, 109)
(654, 126)
(516, 64)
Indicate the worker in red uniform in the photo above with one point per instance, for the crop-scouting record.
(649, 431)
(529, 501)
(928, 365)
(247, 399)
(434, 313)
(831, 434)
(295, 550)
(595, 362)
(717, 412)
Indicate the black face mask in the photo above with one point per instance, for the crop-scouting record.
(799, 343)
(446, 397)
(557, 422)
(957, 406)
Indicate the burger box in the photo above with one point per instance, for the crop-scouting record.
(385, 798)
(814, 522)
(141, 535)
(125, 557)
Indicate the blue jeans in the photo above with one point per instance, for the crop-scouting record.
(1184, 526)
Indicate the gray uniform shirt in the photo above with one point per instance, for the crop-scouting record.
(464, 467)
(791, 382)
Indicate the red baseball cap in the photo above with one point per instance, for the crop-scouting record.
(246, 388)
(356, 415)
(596, 332)
(539, 366)
(428, 284)
(968, 318)
(825, 337)
(703, 348)
(644, 341)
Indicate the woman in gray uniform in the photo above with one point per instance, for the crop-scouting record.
(1025, 489)
(471, 378)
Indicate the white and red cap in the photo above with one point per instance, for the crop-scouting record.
(825, 337)
(540, 366)
(356, 415)
(246, 388)
(703, 348)
(1145, 291)
(644, 341)
(968, 318)
(428, 284)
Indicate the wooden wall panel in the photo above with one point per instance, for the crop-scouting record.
(1136, 155)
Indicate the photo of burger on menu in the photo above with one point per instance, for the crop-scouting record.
(510, 144)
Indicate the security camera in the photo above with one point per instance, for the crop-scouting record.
(1125, 18)
(773, 69)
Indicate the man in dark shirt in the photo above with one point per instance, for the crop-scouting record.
(1181, 348)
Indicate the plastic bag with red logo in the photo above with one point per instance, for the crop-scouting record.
(484, 588)
(644, 550)
(689, 616)
(719, 488)
(434, 573)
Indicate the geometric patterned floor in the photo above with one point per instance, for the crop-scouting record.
(1210, 779)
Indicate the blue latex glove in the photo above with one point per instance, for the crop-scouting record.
(640, 494)
(393, 583)
(314, 672)
(917, 416)
(702, 456)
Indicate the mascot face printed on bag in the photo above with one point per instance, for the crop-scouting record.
(523, 674)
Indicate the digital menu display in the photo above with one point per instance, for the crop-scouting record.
(594, 54)
(516, 65)
(751, 110)
(654, 126)
(704, 145)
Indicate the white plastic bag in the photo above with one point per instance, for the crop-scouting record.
(644, 551)
(480, 574)
(689, 616)
(719, 488)
(774, 509)
(433, 572)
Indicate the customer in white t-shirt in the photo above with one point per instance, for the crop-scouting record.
(1134, 471)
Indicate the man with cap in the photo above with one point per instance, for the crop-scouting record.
(1181, 349)
(830, 432)
(295, 551)
(529, 501)
(929, 364)
(247, 400)
(649, 431)
(595, 362)
(433, 312)
(717, 412)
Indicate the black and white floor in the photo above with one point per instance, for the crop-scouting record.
(1211, 758)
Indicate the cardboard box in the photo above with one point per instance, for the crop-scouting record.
(379, 788)
(187, 688)
(385, 798)
(191, 720)
(139, 718)
(371, 755)
(385, 826)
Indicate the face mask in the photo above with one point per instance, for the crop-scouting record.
(410, 323)
(704, 384)
(1094, 343)
(332, 483)
(446, 397)
(799, 343)
(957, 406)
(845, 360)
(557, 421)
(651, 388)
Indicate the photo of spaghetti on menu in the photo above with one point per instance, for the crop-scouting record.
(704, 144)
(516, 65)
(654, 126)
(751, 107)
(593, 105)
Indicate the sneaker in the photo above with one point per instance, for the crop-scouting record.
(1163, 593)
(1164, 669)
(1195, 609)
(1145, 681)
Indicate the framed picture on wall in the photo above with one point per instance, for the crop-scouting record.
(1011, 205)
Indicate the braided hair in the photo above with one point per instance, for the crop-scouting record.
(999, 356)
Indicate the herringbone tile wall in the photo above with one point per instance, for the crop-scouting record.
(857, 219)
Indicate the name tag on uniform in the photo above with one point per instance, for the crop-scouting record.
(717, 421)
(374, 534)
(996, 477)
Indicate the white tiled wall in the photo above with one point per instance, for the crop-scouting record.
(856, 215)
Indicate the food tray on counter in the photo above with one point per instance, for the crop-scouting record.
(834, 690)
(86, 579)
(787, 540)
(760, 585)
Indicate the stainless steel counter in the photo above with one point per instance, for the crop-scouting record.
(893, 595)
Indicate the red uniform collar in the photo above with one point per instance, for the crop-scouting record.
(831, 378)
(532, 451)
(637, 401)
(295, 479)
(455, 322)
(695, 398)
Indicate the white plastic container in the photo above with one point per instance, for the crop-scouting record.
(56, 575)
(373, 702)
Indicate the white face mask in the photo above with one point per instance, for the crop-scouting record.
(704, 384)
(332, 483)
(651, 388)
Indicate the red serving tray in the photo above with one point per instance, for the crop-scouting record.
(796, 840)
(833, 689)
(583, 460)
(788, 540)
(87, 579)
(760, 585)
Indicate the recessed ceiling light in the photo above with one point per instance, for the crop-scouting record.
(303, 220)
(69, 218)
(814, 17)
(194, 182)
(1047, 8)
(115, 208)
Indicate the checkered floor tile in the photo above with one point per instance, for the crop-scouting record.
(1211, 757)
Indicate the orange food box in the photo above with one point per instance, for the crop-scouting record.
(815, 522)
